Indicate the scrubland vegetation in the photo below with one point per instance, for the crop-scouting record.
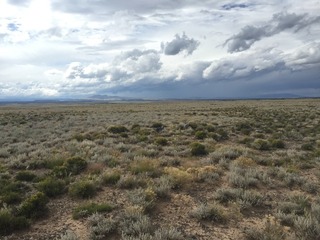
(161, 170)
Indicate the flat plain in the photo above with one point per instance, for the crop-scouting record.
(161, 170)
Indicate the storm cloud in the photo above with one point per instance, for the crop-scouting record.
(68, 49)
(279, 23)
(180, 44)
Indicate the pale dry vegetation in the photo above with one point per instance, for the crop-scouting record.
(161, 170)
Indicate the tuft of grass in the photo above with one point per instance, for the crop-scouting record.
(198, 149)
(261, 144)
(117, 129)
(26, 176)
(161, 141)
(52, 187)
(134, 223)
(211, 212)
(200, 135)
(307, 227)
(101, 227)
(111, 177)
(144, 198)
(82, 189)
(10, 223)
(271, 231)
(162, 186)
(179, 177)
(88, 209)
(145, 166)
(129, 182)
(246, 198)
(35, 206)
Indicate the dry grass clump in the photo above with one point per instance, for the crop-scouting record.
(211, 212)
(145, 166)
(272, 231)
(179, 177)
(208, 174)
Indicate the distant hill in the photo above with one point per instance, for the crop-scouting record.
(279, 95)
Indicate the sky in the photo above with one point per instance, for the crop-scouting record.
(159, 49)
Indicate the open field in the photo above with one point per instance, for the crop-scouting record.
(161, 170)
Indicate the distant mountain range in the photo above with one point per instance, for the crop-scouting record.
(112, 98)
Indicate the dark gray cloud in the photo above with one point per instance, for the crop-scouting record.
(180, 44)
(279, 23)
(230, 6)
(102, 6)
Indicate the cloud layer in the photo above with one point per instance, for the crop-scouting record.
(280, 22)
(158, 49)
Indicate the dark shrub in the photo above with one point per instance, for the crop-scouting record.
(35, 206)
(117, 129)
(89, 209)
(111, 178)
(11, 197)
(75, 165)
(198, 149)
(276, 143)
(25, 176)
(162, 141)
(10, 223)
(200, 135)
(52, 187)
(307, 147)
(157, 126)
(82, 189)
(261, 144)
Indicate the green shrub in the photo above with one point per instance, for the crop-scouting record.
(276, 143)
(10, 223)
(145, 166)
(200, 135)
(261, 144)
(161, 141)
(82, 189)
(244, 127)
(111, 177)
(129, 182)
(307, 147)
(225, 195)
(25, 176)
(35, 206)
(52, 186)
(52, 163)
(157, 126)
(89, 209)
(212, 212)
(117, 129)
(60, 171)
(198, 149)
(11, 197)
(75, 165)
